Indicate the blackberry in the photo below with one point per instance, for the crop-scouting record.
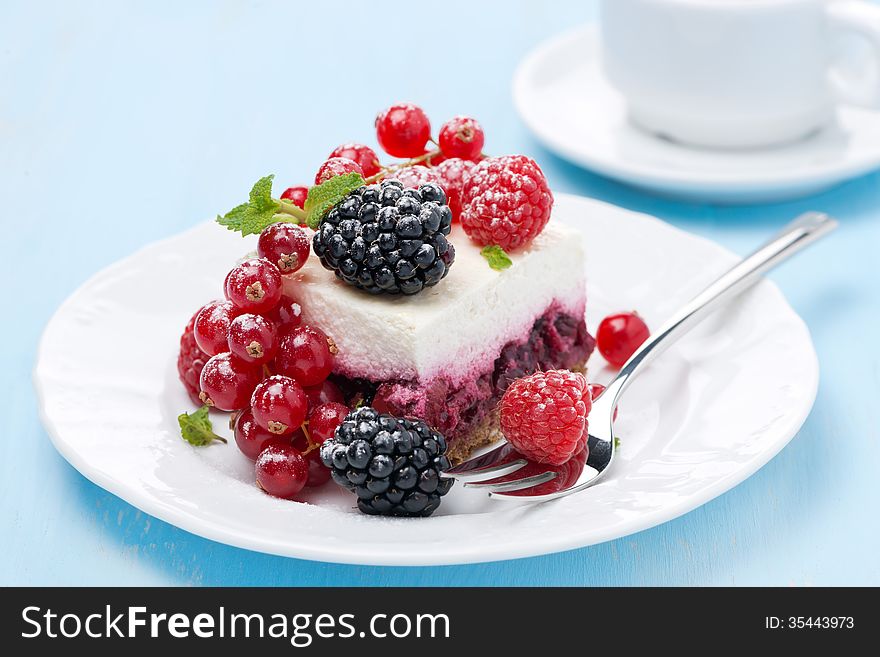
(392, 464)
(387, 239)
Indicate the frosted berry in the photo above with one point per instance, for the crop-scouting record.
(364, 156)
(226, 383)
(250, 437)
(416, 175)
(287, 314)
(306, 354)
(279, 405)
(403, 130)
(252, 339)
(619, 335)
(319, 474)
(324, 393)
(297, 195)
(452, 174)
(190, 361)
(281, 470)
(324, 419)
(462, 137)
(506, 201)
(285, 245)
(211, 326)
(544, 416)
(254, 286)
(336, 166)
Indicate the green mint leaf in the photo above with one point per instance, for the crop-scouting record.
(196, 428)
(252, 217)
(496, 257)
(330, 192)
(616, 442)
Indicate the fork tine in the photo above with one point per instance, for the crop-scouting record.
(491, 472)
(481, 461)
(516, 484)
(501, 495)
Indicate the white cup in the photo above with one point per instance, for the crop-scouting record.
(739, 73)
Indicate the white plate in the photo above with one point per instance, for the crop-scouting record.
(709, 413)
(563, 97)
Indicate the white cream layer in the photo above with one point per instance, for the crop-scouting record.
(453, 328)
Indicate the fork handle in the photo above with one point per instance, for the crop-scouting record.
(795, 236)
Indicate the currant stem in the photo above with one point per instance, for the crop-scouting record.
(403, 165)
(288, 207)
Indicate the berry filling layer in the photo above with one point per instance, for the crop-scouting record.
(556, 340)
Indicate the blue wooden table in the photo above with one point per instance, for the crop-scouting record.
(121, 123)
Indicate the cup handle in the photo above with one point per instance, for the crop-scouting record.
(860, 19)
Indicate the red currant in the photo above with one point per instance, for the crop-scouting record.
(287, 314)
(336, 166)
(281, 470)
(297, 195)
(597, 389)
(306, 354)
(319, 474)
(279, 405)
(254, 286)
(324, 419)
(462, 137)
(252, 339)
(619, 335)
(250, 437)
(403, 130)
(226, 383)
(324, 393)
(284, 244)
(212, 326)
(364, 155)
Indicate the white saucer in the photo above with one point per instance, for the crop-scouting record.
(562, 96)
(712, 410)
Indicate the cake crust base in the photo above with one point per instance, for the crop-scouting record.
(486, 432)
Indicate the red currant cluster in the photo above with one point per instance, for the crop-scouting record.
(252, 354)
(404, 131)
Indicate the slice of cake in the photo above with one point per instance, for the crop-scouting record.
(446, 354)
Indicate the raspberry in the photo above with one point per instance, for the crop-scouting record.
(403, 130)
(452, 174)
(462, 137)
(336, 166)
(190, 361)
(364, 156)
(506, 201)
(544, 416)
(416, 175)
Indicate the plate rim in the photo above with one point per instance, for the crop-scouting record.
(697, 181)
(500, 551)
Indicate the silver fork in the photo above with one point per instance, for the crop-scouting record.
(499, 462)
